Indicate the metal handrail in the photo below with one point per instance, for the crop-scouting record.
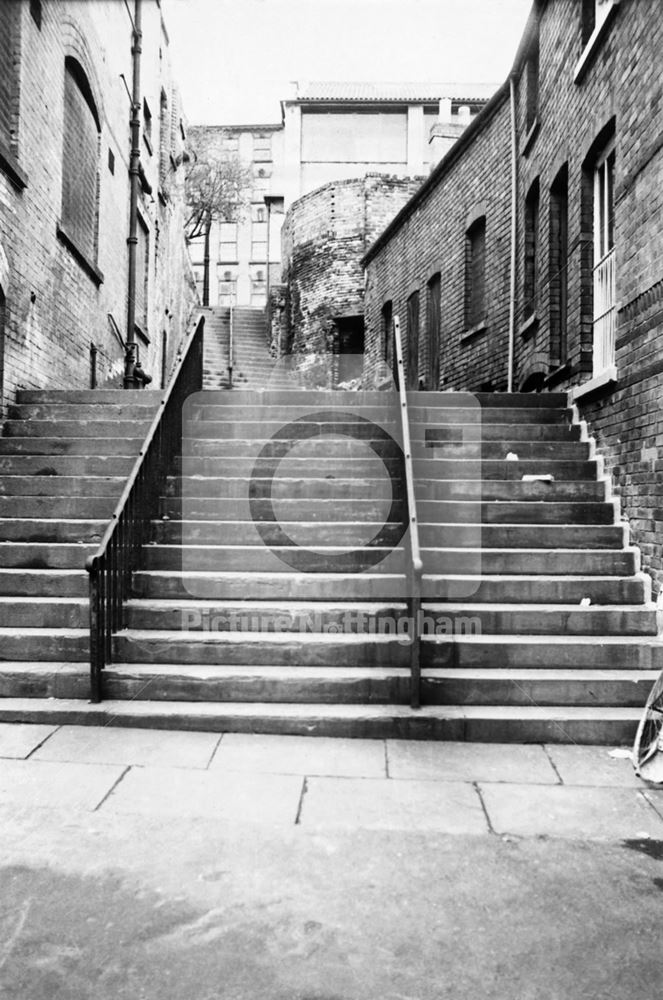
(415, 564)
(231, 346)
(111, 567)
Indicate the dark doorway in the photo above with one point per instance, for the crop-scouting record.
(2, 348)
(349, 348)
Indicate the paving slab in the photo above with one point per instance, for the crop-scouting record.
(380, 804)
(131, 747)
(160, 791)
(588, 765)
(37, 783)
(568, 811)
(20, 739)
(301, 755)
(441, 761)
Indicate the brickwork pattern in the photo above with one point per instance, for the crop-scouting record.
(620, 91)
(54, 306)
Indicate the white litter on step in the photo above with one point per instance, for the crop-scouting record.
(585, 603)
(543, 478)
(621, 753)
(512, 457)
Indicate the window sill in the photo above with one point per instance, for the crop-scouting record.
(559, 373)
(474, 331)
(529, 327)
(528, 139)
(9, 166)
(606, 381)
(593, 43)
(90, 269)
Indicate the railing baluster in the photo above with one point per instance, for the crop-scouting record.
(111, 567)
(415, 567)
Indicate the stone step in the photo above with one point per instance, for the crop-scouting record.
(493, 536)
(433, 511)
(35, 582)
(49, 507)
(82, 397)
(437, 421)
(472, 723)
(44, 555)
(51, 680)
(451, 619)
(198, 463)
(70, 644)
(221, 683)
(574, 451)
(25, 529)
(529, 562)
(522, 687)
(46, 612)
(109, 412)
(283, 586)
(61, 486)
(488, 400)
(274, 648)
(285, 484)
(551, 652)
(66, 465)
(78, 428)
(126, 446)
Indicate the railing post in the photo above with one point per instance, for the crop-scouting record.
(95, 624)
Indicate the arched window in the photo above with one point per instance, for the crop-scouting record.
(80, 162)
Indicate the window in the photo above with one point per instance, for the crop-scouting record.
(227, 289)
(475, 274)
(9, 73)
(531, 267)
(147, 126)
(532, 86)
(164, 141)
(433, 293)
(258, 289)
(80, 157)
(228, 241)
(231, 144)
(2, 341)
(142, 274)
(260, 214)
(262, 147)
(594, 13)
(412, 345)
(35, 11)
(558, 266)
(387, 331)
(259, 241)
(604, 296)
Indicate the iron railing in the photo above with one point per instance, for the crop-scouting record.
(231, 346)
(415, 566)
(112, 565)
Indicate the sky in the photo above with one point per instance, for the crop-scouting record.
(236, 59)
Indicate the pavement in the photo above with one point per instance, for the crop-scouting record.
(145, 864)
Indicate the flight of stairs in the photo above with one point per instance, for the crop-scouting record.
(263, 603)
(254, 367)
(64, 460)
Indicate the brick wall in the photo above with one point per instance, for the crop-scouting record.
(619, 92)
(324, 237)
(56, 302)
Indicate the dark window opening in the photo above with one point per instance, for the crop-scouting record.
(80, 182)
(349, 348)
(164, 358)
(531, 268)
(2, 345)
(475, 274)
(532, 86)
(111, 161)
(388, 353)
(147, 125)
(558, 264)
(9, 72)
(35, 11)
(433, 330)
(412, 343)
(142, 274)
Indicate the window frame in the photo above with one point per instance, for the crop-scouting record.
(475, 312)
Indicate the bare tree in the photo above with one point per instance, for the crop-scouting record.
(218, 188)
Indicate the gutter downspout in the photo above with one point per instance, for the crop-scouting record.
(130, 355)
(514, 235)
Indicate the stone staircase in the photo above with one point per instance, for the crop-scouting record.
(254, 367)
(64, 459)
(272, 596)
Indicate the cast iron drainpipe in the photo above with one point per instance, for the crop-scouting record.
(134, 377)
(514, 235)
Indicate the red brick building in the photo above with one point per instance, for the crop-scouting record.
(532, 257)
(65, 108)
